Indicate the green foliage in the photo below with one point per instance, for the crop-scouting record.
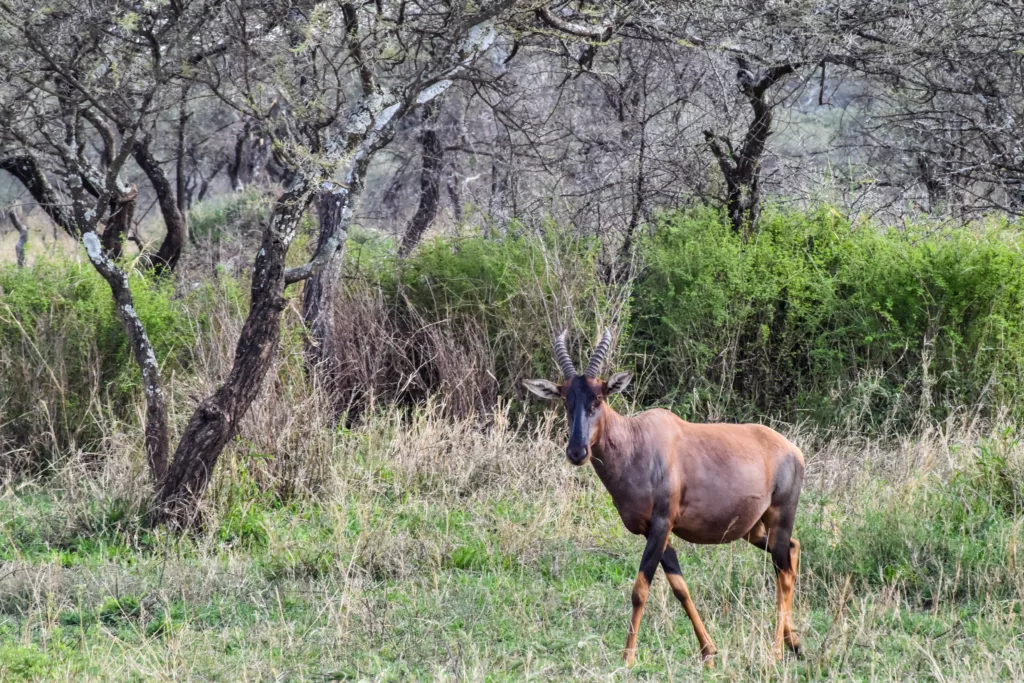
(466, 316)
(65, 356)
(117, 611)
(940, 540)
(813, 317)
(227, 216)
(18, 662)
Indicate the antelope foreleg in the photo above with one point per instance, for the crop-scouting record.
(657, 539)
(670, 563)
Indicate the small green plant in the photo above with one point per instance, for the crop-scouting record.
(118, 611)
(22, 663)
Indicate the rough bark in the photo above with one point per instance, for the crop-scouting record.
(430, 181)
(318, 292)
(157, 443)
(119, 223)
(26, 169)
(251, 152)
(742, 167)
(166, 257)
(19, 225)
(454, 196)
(180, 176)
(216, 420)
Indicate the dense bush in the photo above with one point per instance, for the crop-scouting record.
(815, 317)
(64, 357)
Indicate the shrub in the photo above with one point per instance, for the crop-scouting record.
(811, 319)
(464, 317)
(64, 357)
(815, 317)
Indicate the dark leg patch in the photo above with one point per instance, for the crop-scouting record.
(670, 562)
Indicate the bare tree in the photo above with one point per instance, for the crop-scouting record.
(741, 163)
(315, 140)
(432, 156)
(14, 215)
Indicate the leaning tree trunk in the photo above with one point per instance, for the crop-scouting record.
(216, 420)
(157, 439)
(430, 181)
(167, 256)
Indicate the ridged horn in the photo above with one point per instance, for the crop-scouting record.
(595, 360)
(562, 356)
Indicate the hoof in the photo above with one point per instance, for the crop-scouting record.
(629, 656)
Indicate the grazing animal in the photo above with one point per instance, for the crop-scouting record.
(705, 483)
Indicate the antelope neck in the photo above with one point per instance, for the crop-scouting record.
(614, 443)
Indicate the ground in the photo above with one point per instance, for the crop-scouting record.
(480, 556)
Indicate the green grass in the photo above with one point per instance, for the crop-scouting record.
(409, 566)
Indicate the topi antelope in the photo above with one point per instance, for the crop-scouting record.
(706, 483)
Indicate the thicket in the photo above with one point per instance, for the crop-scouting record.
(64, 357)
(813, 319)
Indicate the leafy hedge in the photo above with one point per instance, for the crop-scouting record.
(815, 317)
(64, 357)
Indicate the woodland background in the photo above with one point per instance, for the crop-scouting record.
(271, 275)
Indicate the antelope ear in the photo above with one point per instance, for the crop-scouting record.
(542, 388)
(618, 382)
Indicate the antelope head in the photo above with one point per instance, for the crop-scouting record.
(584, 395)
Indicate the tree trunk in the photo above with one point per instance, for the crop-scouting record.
(119, 224)
(157, 439)
(216, 420)
(19, 225)
(180, 176)
(251, 152)
(454, 196)
(166, 257)
(318, 292)
(430, 181)
(741, 167)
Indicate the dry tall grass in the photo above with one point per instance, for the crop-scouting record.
(361, 486)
